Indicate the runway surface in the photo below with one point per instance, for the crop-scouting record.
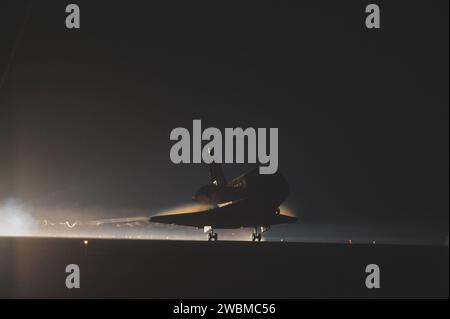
(35, 267)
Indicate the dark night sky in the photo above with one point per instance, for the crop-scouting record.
(362, 114)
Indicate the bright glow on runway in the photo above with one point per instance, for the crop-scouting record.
(15, 219)
(20, 220)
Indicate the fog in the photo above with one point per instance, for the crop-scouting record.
(16, 219)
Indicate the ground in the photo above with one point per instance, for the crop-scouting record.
(35, 267)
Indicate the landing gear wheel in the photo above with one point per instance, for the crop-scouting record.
(256, 237)
(213, 237)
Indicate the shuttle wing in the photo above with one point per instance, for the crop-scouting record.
(203, 218)
(243, 213)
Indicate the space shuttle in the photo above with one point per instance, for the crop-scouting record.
(251, 200)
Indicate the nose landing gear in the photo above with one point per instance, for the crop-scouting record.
(257, 235)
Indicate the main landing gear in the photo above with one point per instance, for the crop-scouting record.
(212, 236)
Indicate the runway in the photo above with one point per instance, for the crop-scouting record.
(35, 267)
